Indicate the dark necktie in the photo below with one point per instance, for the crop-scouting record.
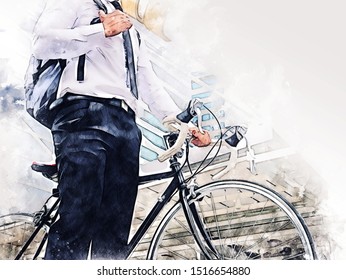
(130, 65)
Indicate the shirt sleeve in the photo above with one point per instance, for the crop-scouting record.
(55, 35)
(151, 89)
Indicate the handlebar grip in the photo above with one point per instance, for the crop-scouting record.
(183, 131)
(182, 119)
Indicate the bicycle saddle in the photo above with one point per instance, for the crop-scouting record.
(48, 170)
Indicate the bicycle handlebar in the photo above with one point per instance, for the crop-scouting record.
(180, 123)
(170, 123)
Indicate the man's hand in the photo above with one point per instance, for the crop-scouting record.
(200, 139)
(115, 22)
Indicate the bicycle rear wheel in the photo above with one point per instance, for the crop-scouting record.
(243, 220)
(15, 230)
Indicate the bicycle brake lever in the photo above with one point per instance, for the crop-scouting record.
(191, 111)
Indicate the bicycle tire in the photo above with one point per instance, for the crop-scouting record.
(243, 219)
(15, 230)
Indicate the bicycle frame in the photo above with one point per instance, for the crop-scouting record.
(177, 183)
(189, 198)
(43, 221)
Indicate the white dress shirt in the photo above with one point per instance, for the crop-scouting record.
(63, 31)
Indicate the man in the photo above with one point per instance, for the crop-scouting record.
(95, 135)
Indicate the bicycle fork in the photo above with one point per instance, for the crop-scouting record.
(197, 228)
(193, 219)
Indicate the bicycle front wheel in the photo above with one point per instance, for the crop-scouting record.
(15, 230)
(242, 219)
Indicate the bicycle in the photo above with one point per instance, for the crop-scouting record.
(213, 221)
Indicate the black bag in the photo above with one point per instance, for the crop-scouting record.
(42, 81)
(41, 86)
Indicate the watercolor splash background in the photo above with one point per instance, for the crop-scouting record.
(285, 60)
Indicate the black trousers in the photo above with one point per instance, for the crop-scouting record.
(97, 151)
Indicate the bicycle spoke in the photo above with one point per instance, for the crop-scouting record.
(15, 231)
(207, 228)
(256, 221)
(243, 222)
(174, 236)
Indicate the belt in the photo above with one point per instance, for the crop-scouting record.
(110, 101)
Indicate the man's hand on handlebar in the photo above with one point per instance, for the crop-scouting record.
(180, 123)
(200, 139)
